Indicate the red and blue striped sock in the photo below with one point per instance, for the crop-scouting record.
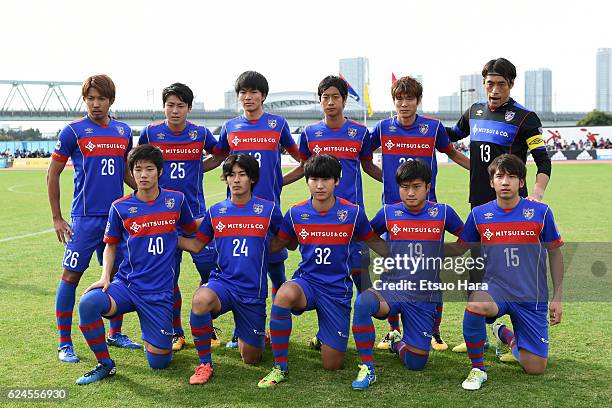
(114, 325)
(92, 306)
(64, 305)
(507, 336)
(437, 318)
(366, 305)
(414, 361)
(393, 320)
(280, 331)
(201, 330)
(177, 324)
(475, 335)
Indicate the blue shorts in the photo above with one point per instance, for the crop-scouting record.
(87, 238)
(359, 255)
(417, 322)
(249, 312)
(529, 324)
(333, 313)
(154, 312)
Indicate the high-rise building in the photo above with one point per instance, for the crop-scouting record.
(357, 73)
(603, 88)
(449, 103)
(471, 90)
(231, 100)
(538, 90)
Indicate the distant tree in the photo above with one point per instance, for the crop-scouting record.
(596, 118)
(27, 134)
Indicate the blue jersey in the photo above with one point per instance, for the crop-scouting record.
(98, 154)
(513, 245)
(146, 232)
(241, 240)
(350, 144)
(262, 139)
(419, 141)
(183, 153)
(324, 242)
(418, 235)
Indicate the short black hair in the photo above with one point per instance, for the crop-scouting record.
(500, 66)
(246, 162)
(322, 166)
(181, 91)
(252, 80)
(333, 80)
(146, 152)
(411, 170)
(508, 164)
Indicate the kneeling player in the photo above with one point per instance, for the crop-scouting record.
(239, 226)
(415, 228)
(324, 227)
(143, 225)
(513, 233)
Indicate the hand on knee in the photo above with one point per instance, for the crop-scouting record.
(95, 301)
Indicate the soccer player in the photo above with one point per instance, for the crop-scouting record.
(240, 226)
(183, 145)
(496, 126)
(324, 226)
(514, 234)
(98, 146)
(349, 141)
(144, 226)
(409, 136)
(415, 228)
(262, 135)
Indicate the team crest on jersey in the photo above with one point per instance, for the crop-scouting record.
(160, 136)
(432, 211)
(352, 132)
(479, 112)
(88, 131)
(488, 216)
(272, 123)
(193, 134)
(509, 116)
(222, 210)
(120, 130)
(392, 128)
(342, 215)
(398, 213)
(169, 202)
(258, 208)
(305, 216)
(319, 133)
(58, 145)
(133, 210)
(423, 128)
(528, 213)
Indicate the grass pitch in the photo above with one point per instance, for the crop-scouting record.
(578, 374)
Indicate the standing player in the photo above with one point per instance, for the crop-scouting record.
(183, 145)
(348, 141)
(240, 226)
(414, 227)
(98, 146)
(262, 135)
(324, 226)
(500, 125)
(514, 234)
(144, 226)
(408, 136)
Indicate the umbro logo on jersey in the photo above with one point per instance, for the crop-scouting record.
(488, 216)
(272, 123)
(487, 234)
(479, 112)
(352, 132)
(509, 116)
(133, 210)
(258, 208)
(392, 128)
(318, 133)
(433, 211)
(342, 215)
(222, 210)
(305, 216)
(423, 128)
(238, 125)
(120, 130)
(160, 136)
(528, 213)
(398, 213)
(88, 131)
(169, 202)
(193, 134)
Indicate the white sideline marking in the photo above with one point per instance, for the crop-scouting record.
(27, 235)
(13, 189)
